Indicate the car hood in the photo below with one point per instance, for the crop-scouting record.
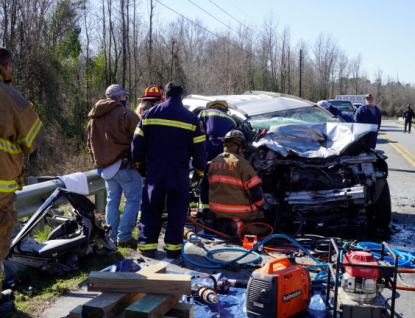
(318, 140)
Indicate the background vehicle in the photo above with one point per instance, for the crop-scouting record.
(357, 105)
(344, 105)
(312, 165)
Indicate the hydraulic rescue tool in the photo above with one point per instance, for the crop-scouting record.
(280, 289)
(205, 294)
(358, 292)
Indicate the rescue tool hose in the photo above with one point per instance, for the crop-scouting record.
(280, 236)
(407, 257)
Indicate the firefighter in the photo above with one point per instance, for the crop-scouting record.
(20, 133)
(110, 132)
(235, 190)
(153, 95)
(165, 140)
(216, 123)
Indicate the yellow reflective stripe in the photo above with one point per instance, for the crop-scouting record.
(171, 123)
(9, 186)
(152, 246)
(199, 139)
(138, 131)
(9, 147)
(27, 141)
(204, 114)
(203, 206)
(172, 247)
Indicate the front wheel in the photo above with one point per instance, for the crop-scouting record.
(379, 213)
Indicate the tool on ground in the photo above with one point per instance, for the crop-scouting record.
(280, 289)
(224, 285)
(249, 241)
(189, 234)
(358, 293)
(204, 293)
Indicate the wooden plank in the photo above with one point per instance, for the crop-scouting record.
(76, 312)
(115, 302)
(182, 310)
(151, 306)
(166, 284)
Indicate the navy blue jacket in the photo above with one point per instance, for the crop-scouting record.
(169, 135)
(216, 123)
(364, 115)
(337, 112)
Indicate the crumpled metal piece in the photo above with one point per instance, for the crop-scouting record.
(314, 140)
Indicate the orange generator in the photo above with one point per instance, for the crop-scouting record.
(279, 289)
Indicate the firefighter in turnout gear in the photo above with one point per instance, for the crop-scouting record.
(164, 141)
(153, 95)
(216, 123)
(20, 133)
(235, 190)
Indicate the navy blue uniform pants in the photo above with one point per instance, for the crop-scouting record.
(409, 123)
(168, 185)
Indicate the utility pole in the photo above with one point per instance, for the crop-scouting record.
(301, 71)
(150, 40)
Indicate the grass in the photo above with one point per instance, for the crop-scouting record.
(47, 288)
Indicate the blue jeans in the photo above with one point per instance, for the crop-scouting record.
(129, 181)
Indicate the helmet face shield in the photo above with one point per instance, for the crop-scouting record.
(218, 104)
(238, 142)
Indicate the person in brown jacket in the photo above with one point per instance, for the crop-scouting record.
(21, 132)
(235, 190)
(110, 132)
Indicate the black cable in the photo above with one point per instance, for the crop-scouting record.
(221, 38)
(213, 17)
(224, 11)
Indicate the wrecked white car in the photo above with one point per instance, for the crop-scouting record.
(311, 163)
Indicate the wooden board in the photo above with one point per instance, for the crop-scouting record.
(151, 306)
(182, 310)
(76, 312)
(166, 284)
(115, 302)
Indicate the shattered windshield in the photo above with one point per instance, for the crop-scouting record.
(292, 116)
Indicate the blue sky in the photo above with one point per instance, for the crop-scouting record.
(381, 31)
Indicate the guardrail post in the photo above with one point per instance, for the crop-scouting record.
(101, 201)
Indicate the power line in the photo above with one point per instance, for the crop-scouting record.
(243, 25)
(204, 28)
(242, 11)
(213, 16)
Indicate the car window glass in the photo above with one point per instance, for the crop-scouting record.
(292, 116)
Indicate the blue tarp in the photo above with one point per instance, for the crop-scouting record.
(231, 305)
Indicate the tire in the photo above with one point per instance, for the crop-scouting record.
(379, 213)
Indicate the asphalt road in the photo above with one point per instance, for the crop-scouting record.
(400, 150)
(399, 147)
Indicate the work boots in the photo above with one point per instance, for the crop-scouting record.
(148, 253)
(131, 243)
(173, 254)
(7, 307)
(6, 296)
(6, 301)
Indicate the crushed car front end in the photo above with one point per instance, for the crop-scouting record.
(324, 172)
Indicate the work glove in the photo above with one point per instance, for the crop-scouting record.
(141, 169)
(198, 176)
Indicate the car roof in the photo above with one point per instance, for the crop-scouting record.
(252, 102)
(339, 100)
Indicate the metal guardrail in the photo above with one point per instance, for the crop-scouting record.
(32, 196)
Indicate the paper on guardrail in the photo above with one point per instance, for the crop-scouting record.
(76, 182)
